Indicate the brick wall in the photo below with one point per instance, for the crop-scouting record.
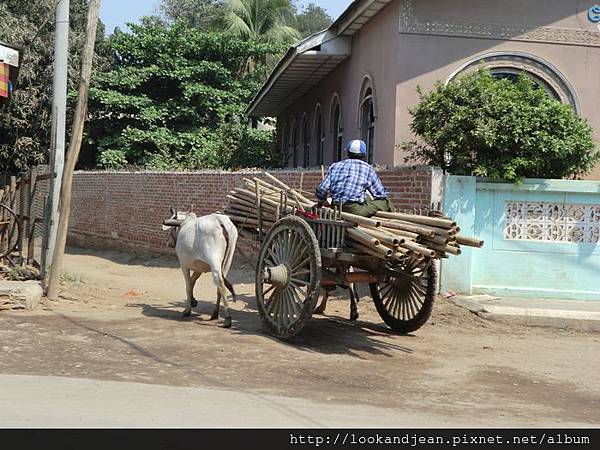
(126, 209)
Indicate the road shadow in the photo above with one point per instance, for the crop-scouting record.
(240, 272)
(144, 258)
(153, 259)
(322, 334)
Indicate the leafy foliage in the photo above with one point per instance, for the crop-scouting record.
(312, 19)
(501, 129)
(207, 15)
(25, 121)
(175, 98)
(262, 21)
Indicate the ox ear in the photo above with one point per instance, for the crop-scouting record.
(165, 228)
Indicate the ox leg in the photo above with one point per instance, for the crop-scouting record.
(218, 279)
(193, 280)
(323, 306)
(189, 292)
(353, 302)
(215, 314)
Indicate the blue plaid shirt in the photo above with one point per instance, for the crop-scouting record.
(348, 180)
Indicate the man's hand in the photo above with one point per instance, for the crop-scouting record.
(323, 203)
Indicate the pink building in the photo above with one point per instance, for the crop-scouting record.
(359, 77)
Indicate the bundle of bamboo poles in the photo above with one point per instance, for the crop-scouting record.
(387, 235)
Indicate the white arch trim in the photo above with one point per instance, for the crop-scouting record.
(335, 100)
(366, 83)
(551, 67)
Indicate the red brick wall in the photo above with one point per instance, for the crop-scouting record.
(126, 209)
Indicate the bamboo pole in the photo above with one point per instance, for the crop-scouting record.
(437, 230)
(248, 220)
(446, 249)
(440, 240)
(418, 248)
(384, 237)
(469, 241)
(286, 188)
(359, 220)
(407, 227)
(425, 220)
(378, 251)
(400, 233)
(362, 237)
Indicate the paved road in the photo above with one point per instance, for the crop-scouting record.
(121, 325)
(33, 401)
(51, 402)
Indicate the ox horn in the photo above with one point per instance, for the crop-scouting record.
(173, 212)
(172, 223)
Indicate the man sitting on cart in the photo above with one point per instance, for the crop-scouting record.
(349, 180)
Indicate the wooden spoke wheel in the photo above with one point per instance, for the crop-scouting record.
(9, 231)
(405, 301)
(288, 277)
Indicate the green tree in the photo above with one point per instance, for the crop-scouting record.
(262, 21)
(502, 129)
(175, 98)
(208, 15)
(311, 19)
(25, 121)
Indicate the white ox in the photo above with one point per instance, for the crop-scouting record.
(204, 245)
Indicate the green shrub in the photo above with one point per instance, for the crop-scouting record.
(249, 147)
(112, 159)
(502, 129)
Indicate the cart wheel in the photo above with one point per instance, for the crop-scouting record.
(10, 231)
(405, 302)
(288, 277)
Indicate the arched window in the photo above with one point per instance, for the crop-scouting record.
(367, 122)
(510, 65)
(337, 128)
(319, 135)
(305, 142)
(511, 74)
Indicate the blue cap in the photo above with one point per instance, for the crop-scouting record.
(357, 147)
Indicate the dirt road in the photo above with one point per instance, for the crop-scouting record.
(120, 320)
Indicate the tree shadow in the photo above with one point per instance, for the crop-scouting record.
(322, 334)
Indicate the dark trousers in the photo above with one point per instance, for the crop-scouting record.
(369, 207)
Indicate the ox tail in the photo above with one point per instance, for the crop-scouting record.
(231, 235)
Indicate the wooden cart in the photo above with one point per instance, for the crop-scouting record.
(305, 251)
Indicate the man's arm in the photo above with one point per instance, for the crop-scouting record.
(323, 188)
(375, 186)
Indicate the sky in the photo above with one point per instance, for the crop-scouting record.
(117, 12)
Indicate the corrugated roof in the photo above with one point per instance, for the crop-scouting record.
(309, 61)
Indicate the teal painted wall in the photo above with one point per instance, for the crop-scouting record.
(525, 266)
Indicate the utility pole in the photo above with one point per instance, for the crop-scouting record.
(59, 119)
(87, 60)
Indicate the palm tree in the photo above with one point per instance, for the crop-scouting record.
(262, 21)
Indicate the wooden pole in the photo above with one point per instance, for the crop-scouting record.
(30, 207)
(74, 149)
(23, 189)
